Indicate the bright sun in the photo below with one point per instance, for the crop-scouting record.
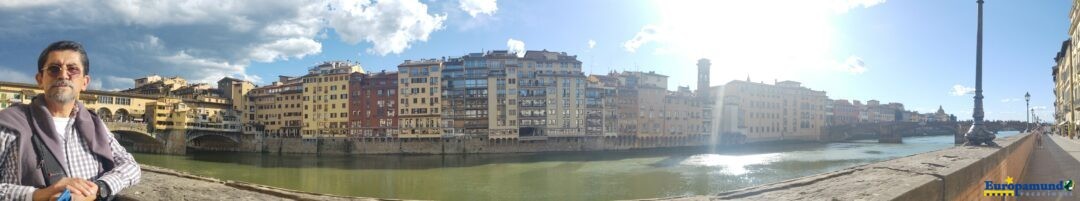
(760, 38)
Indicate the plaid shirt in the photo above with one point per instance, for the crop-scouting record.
(80, 164)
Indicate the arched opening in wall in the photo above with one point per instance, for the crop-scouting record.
(136, 141)
(122, 115)
(104, 114)
(212, 142)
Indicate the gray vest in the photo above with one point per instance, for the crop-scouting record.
(87, 125)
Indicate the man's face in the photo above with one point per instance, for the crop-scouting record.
(64, 77)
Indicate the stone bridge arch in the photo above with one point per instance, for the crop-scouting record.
(214, 141)
(135, 137)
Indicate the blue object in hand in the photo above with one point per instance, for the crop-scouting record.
(66, 196)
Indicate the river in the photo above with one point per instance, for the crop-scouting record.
(545, 176)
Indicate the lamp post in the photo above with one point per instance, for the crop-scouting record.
(978, 134)
(1027, 105)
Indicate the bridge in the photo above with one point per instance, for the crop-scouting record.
(892, 132)
(992, 126)
(888, 132)
(136, 137)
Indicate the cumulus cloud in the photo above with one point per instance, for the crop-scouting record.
(855, 65)
(285, 48)
(960, 90)
(592, 43)
(647, 34)
(478, 7)
(389, 25)
(211, 70)
(516, 47)
(206, 39)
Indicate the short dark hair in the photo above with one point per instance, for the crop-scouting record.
(64, 45)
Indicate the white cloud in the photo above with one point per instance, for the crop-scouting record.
(11, 75)
(516, 47)
(592, 43)
(285, 48)
(855, 65)
(28, 3)
(1006, 100)
(389, 25)
(843, 6)
(95, 84)
(647, 34)
(477, 7)
(118, 83)
(1038, 108)
(209, 71)
(960, 90)
(224, 36)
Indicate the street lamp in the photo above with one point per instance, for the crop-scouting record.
(1027, 105)
(978, 134)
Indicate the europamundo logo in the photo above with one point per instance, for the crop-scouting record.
(1063, 187)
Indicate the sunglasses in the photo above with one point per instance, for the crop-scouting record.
(72, 71)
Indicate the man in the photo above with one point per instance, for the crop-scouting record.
(93, 164)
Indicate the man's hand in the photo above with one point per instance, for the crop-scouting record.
(90, 197)
(80, 188)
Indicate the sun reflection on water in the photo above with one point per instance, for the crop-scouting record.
(731, 164)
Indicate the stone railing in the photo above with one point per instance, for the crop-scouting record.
(141, 127)
(956, 173)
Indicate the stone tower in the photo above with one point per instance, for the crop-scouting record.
(703, 76)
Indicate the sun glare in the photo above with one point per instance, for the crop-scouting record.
(766, 39)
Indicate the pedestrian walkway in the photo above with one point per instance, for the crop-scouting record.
(1058, 158)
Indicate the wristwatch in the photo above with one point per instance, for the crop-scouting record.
(103, 190)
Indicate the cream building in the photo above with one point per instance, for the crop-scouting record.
(782, 111)
(1065, 77)
(419, 94)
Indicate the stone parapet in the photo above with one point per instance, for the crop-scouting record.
(956, 173)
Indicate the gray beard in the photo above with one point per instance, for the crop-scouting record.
(61, 97)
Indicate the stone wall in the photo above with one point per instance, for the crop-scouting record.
(956, 173)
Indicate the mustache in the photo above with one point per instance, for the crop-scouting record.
(66, 83)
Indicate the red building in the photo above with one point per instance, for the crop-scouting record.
(372, 105)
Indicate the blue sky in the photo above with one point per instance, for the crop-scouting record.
(917, 52)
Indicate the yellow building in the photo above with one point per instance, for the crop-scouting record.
(326, 99)
(156, 85)
(419, 93)
(110, 106)
(783, 111)
(235, 91)
(277, 109)
(167, 113)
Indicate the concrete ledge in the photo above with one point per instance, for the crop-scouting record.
(166, 184)
(950, 174)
